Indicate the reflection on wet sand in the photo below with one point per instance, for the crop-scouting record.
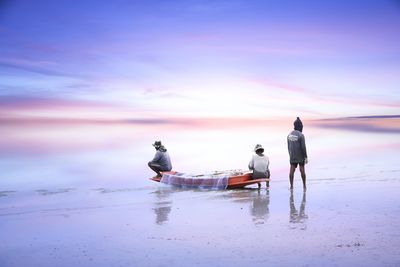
(259, 202)
(260, 208)
(298, 219)
(163, 204)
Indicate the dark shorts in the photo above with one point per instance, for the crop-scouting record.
(297, 163)
(260, 175)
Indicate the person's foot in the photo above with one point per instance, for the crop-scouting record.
(259, 185)
(291, 188)
(304, 188)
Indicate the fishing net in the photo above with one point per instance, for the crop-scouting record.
(215, 180)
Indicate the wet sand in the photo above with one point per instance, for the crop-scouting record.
(335, 223)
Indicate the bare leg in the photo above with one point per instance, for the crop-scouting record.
(291, 175)
(303, 177)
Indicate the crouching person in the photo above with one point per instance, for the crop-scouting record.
(259, 164)
(161, 161)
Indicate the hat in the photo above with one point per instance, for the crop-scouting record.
(258, 147)
(298, 125)
(157, 144)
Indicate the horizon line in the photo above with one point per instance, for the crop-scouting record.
(170, 120)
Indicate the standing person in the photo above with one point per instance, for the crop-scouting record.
(259, 164)
(297, 152)
(161, 160)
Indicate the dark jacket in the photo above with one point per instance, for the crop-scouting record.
(162, 158)
(297, 147)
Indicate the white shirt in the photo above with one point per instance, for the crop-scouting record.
(259, 165)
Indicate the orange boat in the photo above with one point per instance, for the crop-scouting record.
(216, 180)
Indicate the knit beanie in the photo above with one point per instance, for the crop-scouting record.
(298, 125)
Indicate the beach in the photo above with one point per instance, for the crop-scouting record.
(95, 206)
(340, 223)
(93, 93)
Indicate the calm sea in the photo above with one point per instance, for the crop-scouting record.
(40, 155)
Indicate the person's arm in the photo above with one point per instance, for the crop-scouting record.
(157, 157)
(304, 149)
(251, 164)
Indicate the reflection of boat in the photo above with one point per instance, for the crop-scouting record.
(217, 180)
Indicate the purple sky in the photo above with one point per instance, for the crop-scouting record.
(230, 59)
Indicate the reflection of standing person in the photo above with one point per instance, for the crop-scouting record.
(295, 216)
(260, 208)
(161, 160)
(297, 152)
(259, 164)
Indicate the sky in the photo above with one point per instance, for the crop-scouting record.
(199, 59)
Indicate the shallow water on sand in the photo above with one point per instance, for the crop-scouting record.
(337, 224)
(79, 195)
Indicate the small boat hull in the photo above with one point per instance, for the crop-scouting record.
(236, 181)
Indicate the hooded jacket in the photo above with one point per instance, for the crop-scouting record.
(297, 147)
(162, 158)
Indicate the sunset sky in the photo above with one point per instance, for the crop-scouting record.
(199, 59)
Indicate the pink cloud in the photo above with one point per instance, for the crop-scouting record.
(46, 67)
(352, 101)
(28, 63)
(282, 86)
(324, 98)
(10, 104)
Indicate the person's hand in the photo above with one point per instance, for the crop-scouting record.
(305, 160)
